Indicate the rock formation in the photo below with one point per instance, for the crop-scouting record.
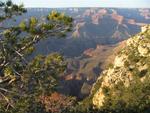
(134, 57)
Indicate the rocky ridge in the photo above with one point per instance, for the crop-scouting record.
(131, 62)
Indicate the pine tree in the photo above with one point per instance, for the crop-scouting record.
(22, 81)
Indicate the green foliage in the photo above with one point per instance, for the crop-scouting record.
(133, 99)
(22, 26)
(54, 16)
(23, 81)
(25, 105)
(40, 78)
(84, 106)
(9, 9)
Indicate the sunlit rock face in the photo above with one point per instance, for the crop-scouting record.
(132, 58)
(99, 98)
(120, 60)
(143, 50)
(144, 28)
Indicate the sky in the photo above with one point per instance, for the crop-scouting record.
(84, 3)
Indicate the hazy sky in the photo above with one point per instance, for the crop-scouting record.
(84, 3)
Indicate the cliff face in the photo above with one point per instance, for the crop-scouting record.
(132, 62)
(91, 27)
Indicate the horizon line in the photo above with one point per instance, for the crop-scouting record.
(94, 7)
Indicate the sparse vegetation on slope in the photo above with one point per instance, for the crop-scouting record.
(124, 87)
